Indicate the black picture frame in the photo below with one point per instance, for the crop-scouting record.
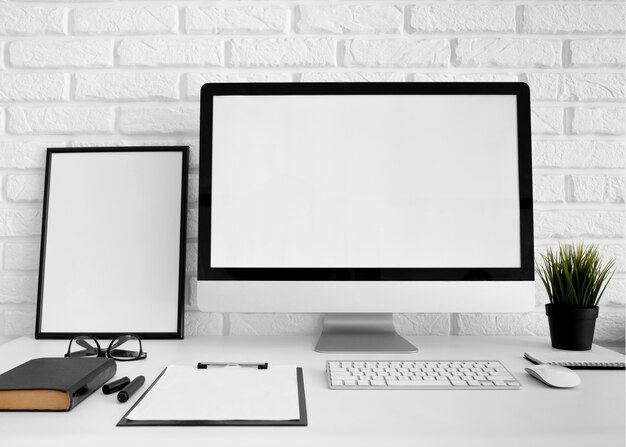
(178, 333)
(487, 273)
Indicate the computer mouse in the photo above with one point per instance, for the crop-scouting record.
(554, 375)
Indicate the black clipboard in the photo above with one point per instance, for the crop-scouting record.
(303, 421)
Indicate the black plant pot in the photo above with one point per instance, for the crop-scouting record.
(571, 328)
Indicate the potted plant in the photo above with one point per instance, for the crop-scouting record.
(575, 279)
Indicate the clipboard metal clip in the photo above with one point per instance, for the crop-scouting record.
(205, 365)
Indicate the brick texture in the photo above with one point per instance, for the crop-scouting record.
(200, 323)
(547, 120)
(577, 86)
(236, 20)
(21, 154)
(350, 76)
(113, 73)
(60, 119)
(151, 120)
(396, 53)
(34, 87)
(597, 52)
(463, 77)
(24, 188)
(127, 86)
(597, 188)
(135, 20)
(349, 19)
(20, 222)
(52, 53)
(275, 324)
(583, 223)
(18, 288)
(178, 52)
(429, 18)
(18, 323)
(32, 21)
(508, 52)
(549, 188)
(273, 52)
(21, 256)
(422, 324)
(578, 153)
(576, 18)
(598, 120)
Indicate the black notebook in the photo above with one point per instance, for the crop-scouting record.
(53, 384)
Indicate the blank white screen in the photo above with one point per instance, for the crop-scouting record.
(387, 181)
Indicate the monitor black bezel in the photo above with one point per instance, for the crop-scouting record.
(523, 273)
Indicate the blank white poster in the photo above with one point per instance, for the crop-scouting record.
(113, 242)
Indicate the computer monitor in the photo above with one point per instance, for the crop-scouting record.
(366, 199)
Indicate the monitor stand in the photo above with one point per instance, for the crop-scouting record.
(361, 333)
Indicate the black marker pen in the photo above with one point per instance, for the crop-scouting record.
(116, 385)
(130, 389)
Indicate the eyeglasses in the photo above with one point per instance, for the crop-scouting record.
(124, 348)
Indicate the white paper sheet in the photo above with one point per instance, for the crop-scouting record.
(224, 393)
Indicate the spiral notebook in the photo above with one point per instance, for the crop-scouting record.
(596, 358)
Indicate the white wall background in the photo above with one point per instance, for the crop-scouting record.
(95, 73)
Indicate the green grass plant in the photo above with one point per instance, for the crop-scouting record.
(574, 275)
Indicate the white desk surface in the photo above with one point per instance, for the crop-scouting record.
(536, 415)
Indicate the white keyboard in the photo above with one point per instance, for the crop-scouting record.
(419, 374)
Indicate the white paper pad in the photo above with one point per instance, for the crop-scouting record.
(186, 393)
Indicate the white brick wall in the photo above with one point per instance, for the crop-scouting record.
(462, 18)
(282, 52)
(236, 20)
(125, 20)
(60, 53)
(160, 52)
(384, 52)
(349, 19)
(26, 20)
(129, 73)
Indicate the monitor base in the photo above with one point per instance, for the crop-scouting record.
(353, 332)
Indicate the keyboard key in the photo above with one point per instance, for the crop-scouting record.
(416, 383)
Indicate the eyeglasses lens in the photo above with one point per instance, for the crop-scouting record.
(83, 347)
(126, 347)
